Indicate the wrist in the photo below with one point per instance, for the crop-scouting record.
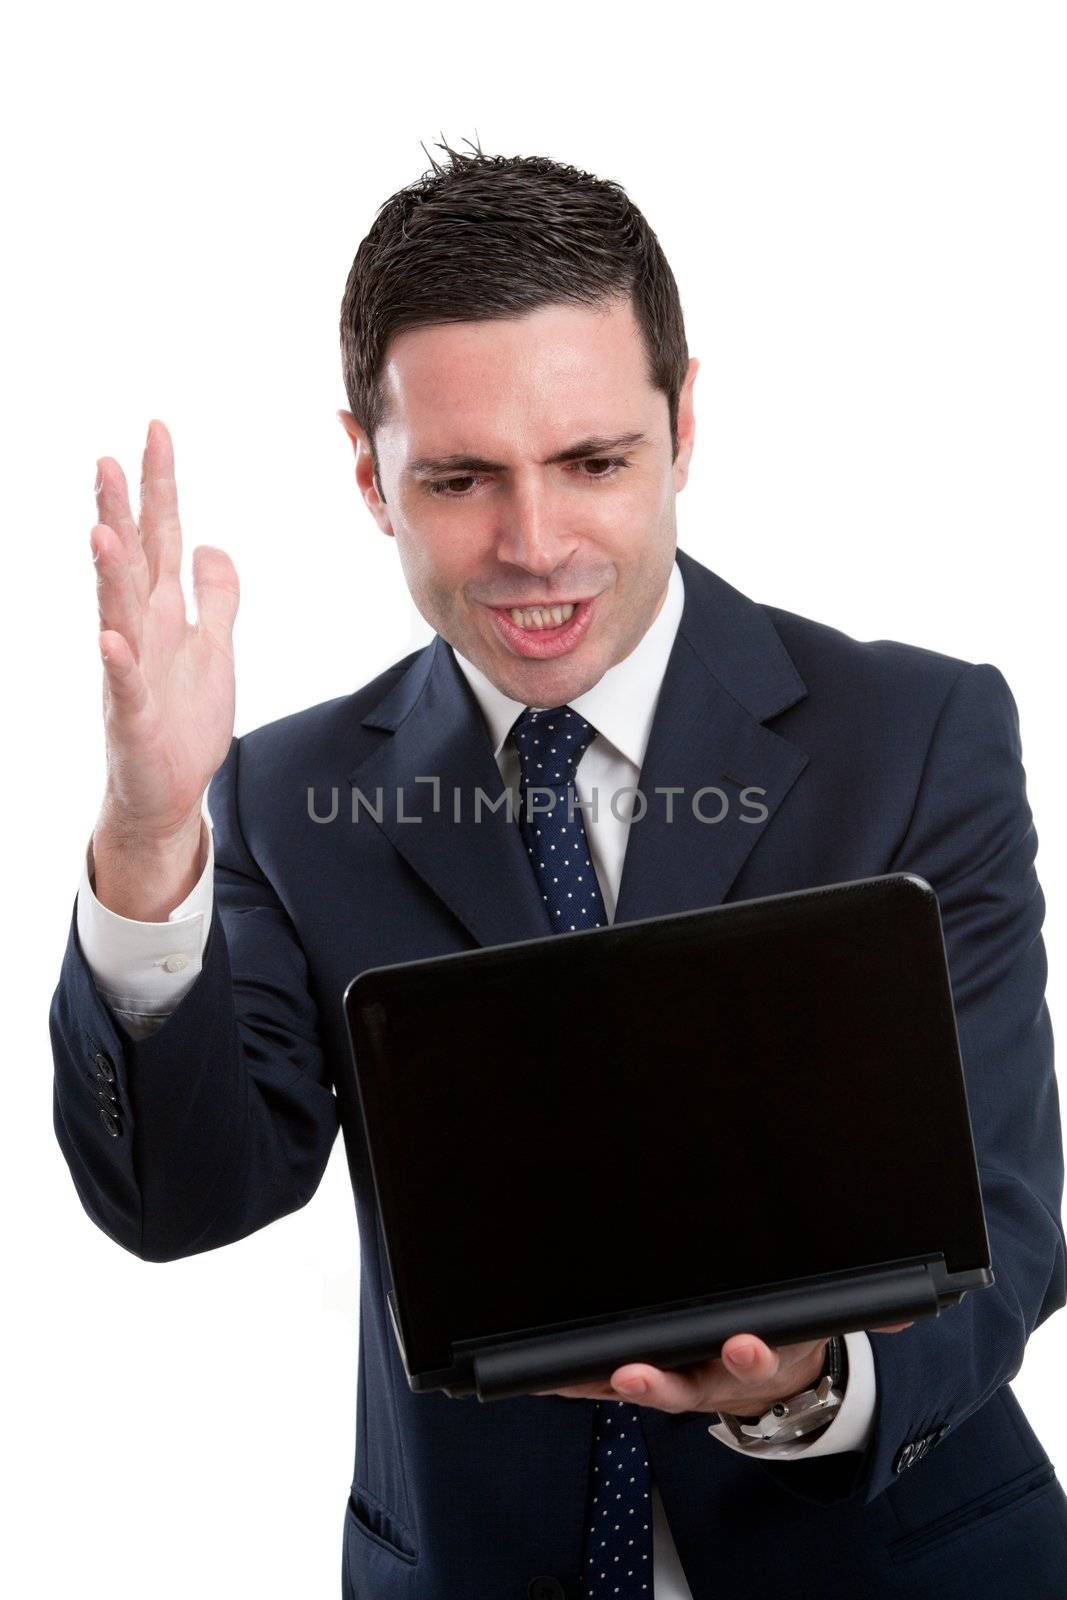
(143, 877)
(120, 828)
(803, 1377)
(803, 1414)
(817, 1369)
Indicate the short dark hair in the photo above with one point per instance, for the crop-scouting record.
(496, 236)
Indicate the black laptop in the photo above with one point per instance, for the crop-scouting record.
(629, 1143)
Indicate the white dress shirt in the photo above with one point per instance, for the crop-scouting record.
(143, 969)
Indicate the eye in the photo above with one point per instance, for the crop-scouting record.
(442, 486)
(460, 488)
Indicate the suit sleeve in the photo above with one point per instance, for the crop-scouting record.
(971, 836)
(221, 1120)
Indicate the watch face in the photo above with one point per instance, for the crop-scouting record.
(798, 1416)
(787, 1419)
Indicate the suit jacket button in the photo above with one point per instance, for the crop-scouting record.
(940, 1434)
(904, 1457)
(105, 1093)
(545, 1589)
(109, 1122)
(104, 1067)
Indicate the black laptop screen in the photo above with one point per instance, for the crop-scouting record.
(598, 1123)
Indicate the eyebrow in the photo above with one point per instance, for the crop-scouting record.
(595, 445)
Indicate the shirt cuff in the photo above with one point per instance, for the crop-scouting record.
(144, 968)
(850, 1428)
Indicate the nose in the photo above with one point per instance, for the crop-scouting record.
(533, 533)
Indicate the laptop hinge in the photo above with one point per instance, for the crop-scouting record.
(784, 1314)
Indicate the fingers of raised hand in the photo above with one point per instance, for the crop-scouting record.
(161, 533)
(117, 597)
(113, 509)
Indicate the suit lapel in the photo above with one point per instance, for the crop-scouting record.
(727, 674)
(477, 867)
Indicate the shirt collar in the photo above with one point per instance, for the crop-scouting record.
(621, 705)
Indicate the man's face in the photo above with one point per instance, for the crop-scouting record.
(527, 461)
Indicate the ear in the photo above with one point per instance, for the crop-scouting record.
(686, 425)
(366, 478)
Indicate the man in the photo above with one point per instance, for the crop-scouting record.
(522, 419)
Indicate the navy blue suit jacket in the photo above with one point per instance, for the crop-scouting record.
(875, 757)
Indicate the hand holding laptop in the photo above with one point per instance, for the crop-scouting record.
(748, 1379)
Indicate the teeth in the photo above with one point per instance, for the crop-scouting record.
(542, 616)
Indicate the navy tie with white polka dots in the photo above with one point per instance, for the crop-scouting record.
(550, 744)
(617, 1560)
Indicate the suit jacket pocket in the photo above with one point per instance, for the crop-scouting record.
(976, 1514)
(374, 1521)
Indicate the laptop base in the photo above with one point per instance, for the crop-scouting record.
(554, 1358)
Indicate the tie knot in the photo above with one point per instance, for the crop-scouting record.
(550, 744)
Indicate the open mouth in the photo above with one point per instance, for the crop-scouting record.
(539, 632)
(541, 617)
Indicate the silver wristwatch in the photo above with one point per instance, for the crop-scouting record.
(801, 1414)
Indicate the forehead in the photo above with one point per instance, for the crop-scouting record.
(572, 367)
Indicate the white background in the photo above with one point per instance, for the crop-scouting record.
(863, 205)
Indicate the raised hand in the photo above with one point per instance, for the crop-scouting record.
(169, 687)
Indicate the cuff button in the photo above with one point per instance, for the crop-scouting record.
(110, 1122)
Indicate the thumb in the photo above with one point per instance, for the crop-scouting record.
(217, 591)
